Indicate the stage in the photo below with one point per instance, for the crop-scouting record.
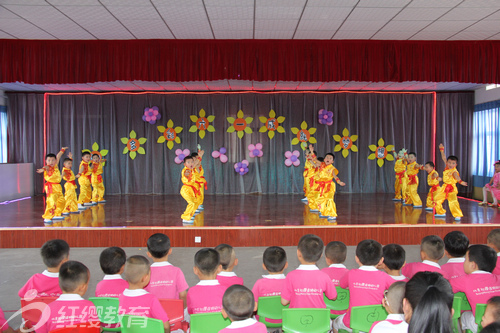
(241, 220)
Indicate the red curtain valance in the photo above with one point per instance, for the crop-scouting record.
(82, 61)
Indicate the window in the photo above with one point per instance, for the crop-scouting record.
(3, 134)
(486, 140)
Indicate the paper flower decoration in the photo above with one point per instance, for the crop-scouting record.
(303, 135)
(95, 150)
(133, 145)
(345, 142)
(255, 150)
(325, 117)
(241, 167)
(292, 158)
(151, 115)
(221, 154)
(240, 124)
(202, 124)
(381, 152)
(272, 124)
(169, 134)
(181, 155)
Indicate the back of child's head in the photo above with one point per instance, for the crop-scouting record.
(112, 260)
(274, 259)
(336, 252)
(238, 302)
(494, 304)
(369, 252)
(484, 257)
(72, 275)
(494, 239)
(227, 255)
(456, 243)
(492, 328)
(207, 261)
(158, 245)
(395, 295)
(311, 247)
(433, 247)
(54, 252)
(136, 268)
(394, 256)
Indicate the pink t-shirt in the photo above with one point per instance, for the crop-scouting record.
(229, 278)
(395, 323)
(454, 268)
(335, 272)
(269, 285)
(496, 271)
(167, 281)
(46, 284)
(3, 322)
(305, 286)
(139, 302)
(366, 287)
(479, 287)
(249, 325)
(111, 286)
(205, 297)
(425, 266)
(68, 310)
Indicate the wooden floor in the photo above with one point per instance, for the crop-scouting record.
(242, 220)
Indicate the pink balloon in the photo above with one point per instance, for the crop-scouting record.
(296, 153)
(236, 166)
(288, 162)
(288, 154)
(251, 153)
(245, 162)
(296, 163)
(177, 160)
(178, 152)
(148, 118)
(260, 153)
(258, 146)
(251, 147)
(242, 169)
(215, 154)
(186, 152)
(223, 158)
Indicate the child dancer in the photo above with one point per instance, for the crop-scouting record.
(70, 186)
(55, 199)
(200, 180)
(97, 184)
(401, 179)
(189, 190)
(449, 189)
(313, 196)
(493, 187)
(433, 180)
(308, 172)
(412, 170)
(85, 181)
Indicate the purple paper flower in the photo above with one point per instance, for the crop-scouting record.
(181, 155)
(221, 154)
(241, 167)
(292, 158)
(151, 115)
(255, 150)
(325, 117)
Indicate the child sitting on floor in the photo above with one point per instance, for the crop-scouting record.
(239, 305)
(112, 261)
(394, 259)
(393, 304)
(455, 247)
(54, 253)
(228, 261)
(431, 251)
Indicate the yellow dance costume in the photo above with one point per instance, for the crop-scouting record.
(97, 184)
(449, 192)
(309, 171)
(55, 203)
(201, 184)
(435, 190)
(85, 181)
(189, 192)
(326, 188)
(313, 196)
(412, 187)
(70, 191)
(401, 179)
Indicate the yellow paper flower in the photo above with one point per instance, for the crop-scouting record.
(240, 124)
(381, 152)
(345, 142)
(272, 124)
(95, 150)
(202, 123)
(303, 135)
(169, 134)
(133, 145)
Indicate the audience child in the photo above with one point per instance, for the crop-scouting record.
(228, 261)
(366, 284)
(479, 285)
(275, 262)
(455, 247)
(112, 261)
(492, 312)
(137, 301)
(393, 304)
(207, 295)
(431, 251)
(428, 303)
(167, 281)
(394, 258)
(492, 328)
(305, 286)
(335, 255)
(70, 308)
(493, 241)
(54, 253)
(238, 304)
(4, 326)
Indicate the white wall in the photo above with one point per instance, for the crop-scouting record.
(482, 95)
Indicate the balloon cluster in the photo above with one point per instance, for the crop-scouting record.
(241, 167)
(325, 117)
(220, 154)
(255, 150)
(181, 155)
(151, 115)
(292, 158)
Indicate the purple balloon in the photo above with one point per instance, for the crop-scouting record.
(144, 118)
(256, 152)
(182, 156)
(222, 150)
(293, 158)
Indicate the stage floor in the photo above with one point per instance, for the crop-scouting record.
(239, 211)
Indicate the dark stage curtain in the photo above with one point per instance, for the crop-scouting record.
(77, 121)
(49, 61)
